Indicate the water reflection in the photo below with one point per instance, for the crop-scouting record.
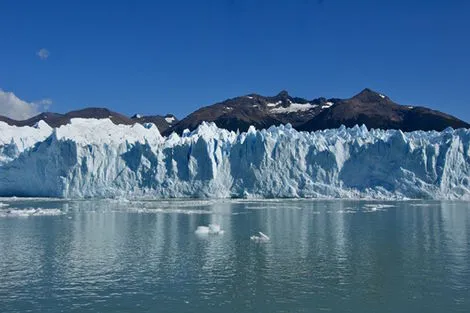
(323, 255)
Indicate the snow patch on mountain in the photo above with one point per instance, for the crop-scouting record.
(271, 105)
(170, 119)
(96, 158)
(327, 105)
(294, 107)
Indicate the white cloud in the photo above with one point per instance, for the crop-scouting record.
(44, 104)
(43, 54)
(13, 107)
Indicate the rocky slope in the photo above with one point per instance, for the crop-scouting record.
(241, 112)
(378, 111)
(368, 107)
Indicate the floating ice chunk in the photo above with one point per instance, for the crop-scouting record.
(212, 229)
(166, 211)
(215, 229)
(347, 211)
(368, 208)
(261, 238)
(30, 212)
(202, 230)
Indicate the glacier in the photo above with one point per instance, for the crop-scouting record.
(96, 158)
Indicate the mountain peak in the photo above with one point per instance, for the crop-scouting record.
(283, 94)
(369, 95)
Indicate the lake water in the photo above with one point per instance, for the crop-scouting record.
(323, 256)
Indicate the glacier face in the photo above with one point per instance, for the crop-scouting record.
(96, 158)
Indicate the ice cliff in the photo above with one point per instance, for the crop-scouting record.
(96, 158)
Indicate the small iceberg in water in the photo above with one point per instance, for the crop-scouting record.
(212, 229)
(261, 238)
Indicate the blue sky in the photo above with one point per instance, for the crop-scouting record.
(175, 56)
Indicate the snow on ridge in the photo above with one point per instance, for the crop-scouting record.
(327, 105)
(100, 159)
(294, 107)
(170, 120)
(271, 105)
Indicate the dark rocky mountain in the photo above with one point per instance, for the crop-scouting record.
(241, 112)
(56, 119)
(378, 111)
(368, 107)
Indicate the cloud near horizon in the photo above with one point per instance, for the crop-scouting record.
(43, 54)
(13, 107)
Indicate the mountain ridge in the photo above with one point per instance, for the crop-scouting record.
(368, 107)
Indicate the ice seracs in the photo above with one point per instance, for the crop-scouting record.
(96, 158)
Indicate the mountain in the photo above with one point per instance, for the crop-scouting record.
(56, 119)
(163, 123)
(378, 111)
(262, 112)
(368, 107)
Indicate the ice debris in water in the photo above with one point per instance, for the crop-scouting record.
(368, 208)
(212, 229)
(165, 211)
(261, 238)
(30, 212)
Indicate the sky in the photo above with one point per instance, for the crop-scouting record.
(158, 57)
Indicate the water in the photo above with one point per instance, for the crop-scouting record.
(323, 256)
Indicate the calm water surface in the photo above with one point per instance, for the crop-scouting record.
(323, 256)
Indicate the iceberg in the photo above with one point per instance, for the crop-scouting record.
(96, 158)
(261, 238)
(212, 229)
